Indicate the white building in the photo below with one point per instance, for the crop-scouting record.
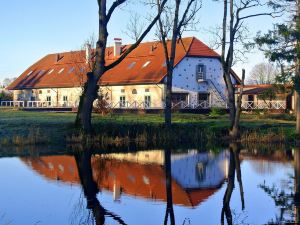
(137, 82)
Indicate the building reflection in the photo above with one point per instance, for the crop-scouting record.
(194, 176)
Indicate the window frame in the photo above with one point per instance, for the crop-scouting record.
(200, 77)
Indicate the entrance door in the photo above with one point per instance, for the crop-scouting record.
(251, 98)
(203, 100)
(179, 97)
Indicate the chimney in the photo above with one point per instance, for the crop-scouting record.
(117, 46)
(88, 52)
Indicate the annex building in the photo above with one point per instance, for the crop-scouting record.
(138, 81)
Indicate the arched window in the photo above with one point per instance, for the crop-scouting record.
(134, 92)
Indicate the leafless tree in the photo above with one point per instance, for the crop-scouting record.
(134, 27)
(263, 73)
(91, 87)
(176, 18)
(235, 13)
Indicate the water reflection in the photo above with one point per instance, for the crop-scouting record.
(169, 209)
(90, 188)
(234, 167)
(184, 178)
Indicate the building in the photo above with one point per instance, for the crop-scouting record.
(137, 82)
(278, 101)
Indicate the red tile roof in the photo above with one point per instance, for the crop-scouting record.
(144, 65)
(128, 175)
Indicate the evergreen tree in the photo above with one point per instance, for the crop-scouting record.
(282, 45)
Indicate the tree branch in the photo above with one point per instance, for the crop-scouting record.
(112, 8)
(136, 44)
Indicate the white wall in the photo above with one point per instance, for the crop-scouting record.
(156, 92)
(184, 77)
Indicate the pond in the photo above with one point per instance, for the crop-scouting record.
(150, 187)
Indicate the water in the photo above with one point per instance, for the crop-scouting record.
(146, 187)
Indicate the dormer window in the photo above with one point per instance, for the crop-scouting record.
(146, 64)
(61, 70)
(131, 65)
(200, 73)
(28, 74)
(50, 71)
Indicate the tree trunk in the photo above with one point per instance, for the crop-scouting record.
(86, 106)
(168, 101)
(297, 111)
(169, 209)
(89, 186)
(297, 184)
(230, 186)
(235, 130)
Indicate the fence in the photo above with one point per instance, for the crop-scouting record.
(250, 105)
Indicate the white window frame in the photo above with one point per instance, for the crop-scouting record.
(200, 73)
(147, 101)
(122, 101)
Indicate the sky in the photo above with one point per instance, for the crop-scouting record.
(31, 29)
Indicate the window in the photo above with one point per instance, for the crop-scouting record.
(147, 90)
(61, 70)
(200, 73)
(147, 101)
(203, 97)
(71, 70)
(40, 92)
(134, 91)
(146, 64)
(131, 65)
(48, 99)
(122, 90)
(48, 91)
(201, 171)
(179, 97)
(29, 73)
(65, 98)
(122, 101)
(50, 71)
(41, 72)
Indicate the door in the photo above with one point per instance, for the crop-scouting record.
(179, 99)
(147, 101)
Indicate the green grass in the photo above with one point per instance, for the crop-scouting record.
(55, 127)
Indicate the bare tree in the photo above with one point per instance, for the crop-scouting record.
(134, 27)
(8, 81)
(263, 73)
(235, 13)
(91, 86)
(171, 24)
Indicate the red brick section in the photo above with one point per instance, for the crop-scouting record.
(145, 65)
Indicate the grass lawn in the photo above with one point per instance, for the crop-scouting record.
(56, 126)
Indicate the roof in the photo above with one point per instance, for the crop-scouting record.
(142, 180)
(255, 91)
(144, 65)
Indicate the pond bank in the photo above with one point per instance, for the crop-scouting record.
(33, 128)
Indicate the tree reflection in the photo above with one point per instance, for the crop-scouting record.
(90, 189)
(287, 199)
(234, 167)
(169, 209)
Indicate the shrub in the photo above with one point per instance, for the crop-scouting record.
(217, 112)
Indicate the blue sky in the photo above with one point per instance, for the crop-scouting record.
(31, 29)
